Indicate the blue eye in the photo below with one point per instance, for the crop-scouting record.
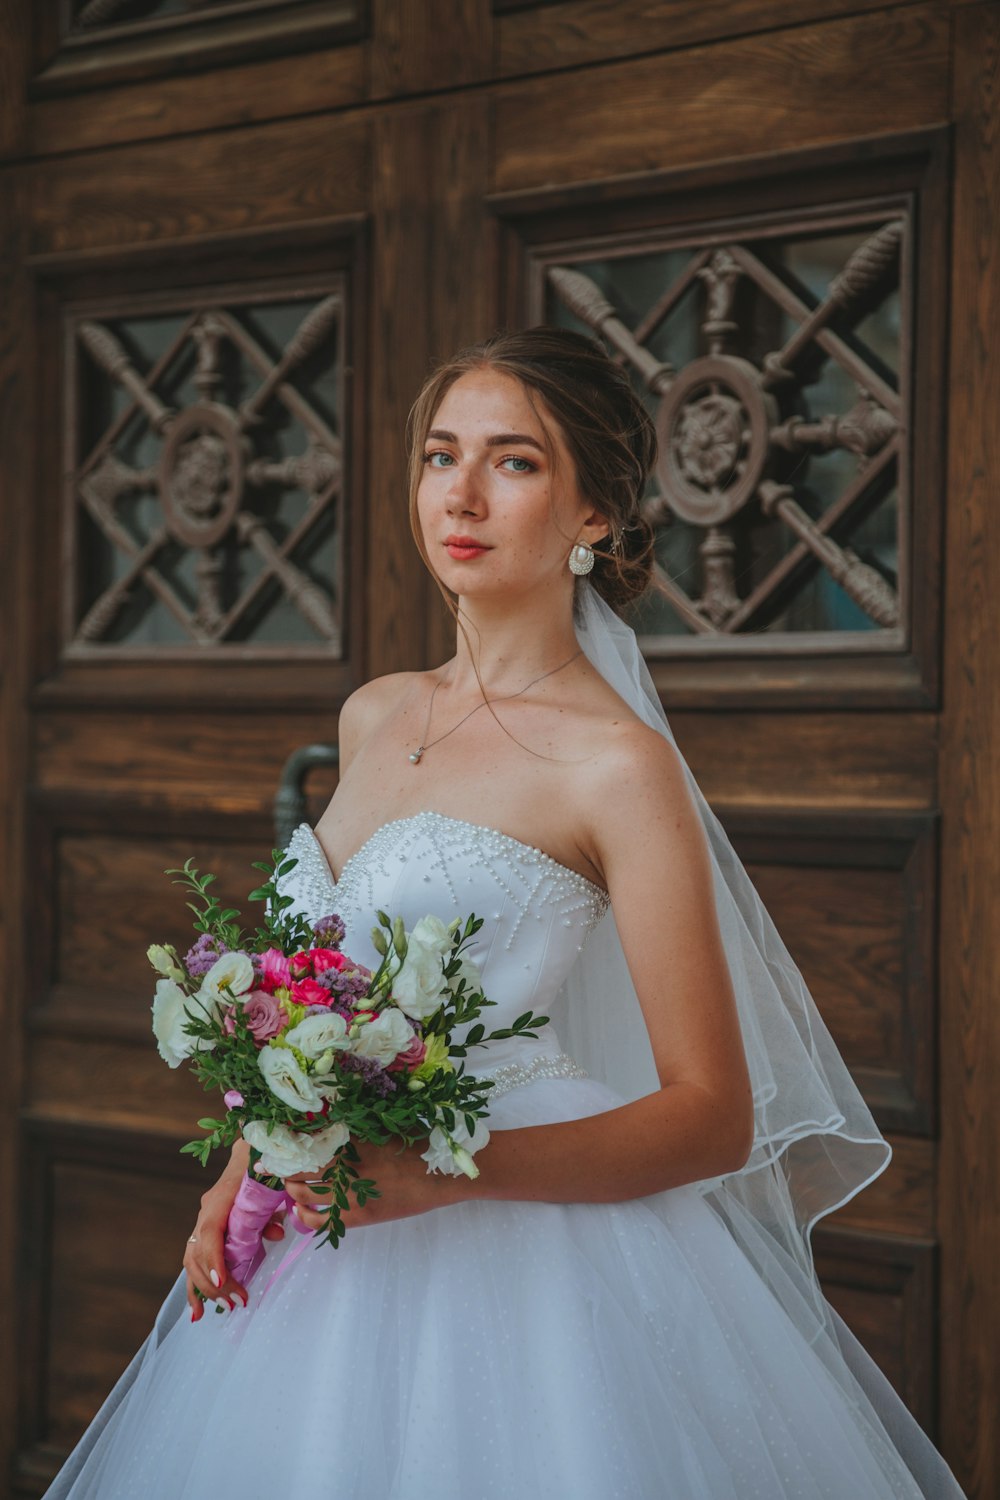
(438, 453)
(525, 466)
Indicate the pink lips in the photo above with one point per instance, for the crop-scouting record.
(462, 548)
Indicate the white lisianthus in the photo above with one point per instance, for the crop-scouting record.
(285, 1152)
(286, 1079)
(317, 1035)
(164, 961)
(169, 1020)
(452, 1151)
(386, 1037)
(420, 985)
(431, 932)
(233, 972)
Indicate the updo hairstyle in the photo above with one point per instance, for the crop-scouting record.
(607, 431)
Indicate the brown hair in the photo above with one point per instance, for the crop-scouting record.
(608, 432)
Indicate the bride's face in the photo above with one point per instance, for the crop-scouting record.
(497, 514)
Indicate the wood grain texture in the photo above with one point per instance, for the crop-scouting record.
(812, 759)
(904, 1199)
(14, 40)
(231, 180)
(422, 48)
(172, 760)
(308, 83)
(536, 40)
(396, 608)
(15, 481)
(970, 781)
(862, 75)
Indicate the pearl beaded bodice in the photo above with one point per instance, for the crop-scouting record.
(537, 913)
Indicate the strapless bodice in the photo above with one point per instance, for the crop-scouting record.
(536, 912)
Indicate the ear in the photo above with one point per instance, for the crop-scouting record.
(594, 528)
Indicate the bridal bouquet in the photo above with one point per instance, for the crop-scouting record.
(313, 1052)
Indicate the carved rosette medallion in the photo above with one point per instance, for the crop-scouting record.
(202, 474)
(713, 426)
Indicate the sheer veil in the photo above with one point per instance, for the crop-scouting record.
(815, 1142)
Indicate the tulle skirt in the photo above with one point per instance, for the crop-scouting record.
(489, 1350)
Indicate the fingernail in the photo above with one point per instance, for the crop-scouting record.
(214, 1278)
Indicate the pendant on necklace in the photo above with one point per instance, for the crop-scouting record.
(415, 757)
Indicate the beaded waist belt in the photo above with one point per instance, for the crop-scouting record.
(516, 1075)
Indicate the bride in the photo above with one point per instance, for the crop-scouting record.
(623, 1303)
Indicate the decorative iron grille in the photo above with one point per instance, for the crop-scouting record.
(207, 494)
(775, 367)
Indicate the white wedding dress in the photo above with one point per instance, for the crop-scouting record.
(493, 1350)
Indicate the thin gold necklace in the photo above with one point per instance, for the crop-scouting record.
(422, 749)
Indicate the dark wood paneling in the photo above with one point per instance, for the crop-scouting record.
(172, 761)
(884, 1288)
(313, 81)
(418, 52)
(14, 22)
(146, 48)
(758, 759)
(15, 483)
(903, 1199)
(862, 75)
(536, 39)
(401, 273)
(855, 899)
(303, 170)
(970, 783)
(88, 1306)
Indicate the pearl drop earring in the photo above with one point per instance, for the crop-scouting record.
(581, 559)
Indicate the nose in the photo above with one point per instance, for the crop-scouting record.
(464, 496)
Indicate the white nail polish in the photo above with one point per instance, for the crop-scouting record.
(213, 1277)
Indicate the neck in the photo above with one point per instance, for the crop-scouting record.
(509, 646)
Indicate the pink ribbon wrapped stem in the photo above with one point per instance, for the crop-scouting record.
(252, 1210)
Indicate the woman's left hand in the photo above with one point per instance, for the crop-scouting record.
(405, 1188)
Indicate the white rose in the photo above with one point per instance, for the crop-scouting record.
(318, 1034)
(232, 972)
(419, 986)
(287, 1081)
(386, 1037)
(452, 1151)
(163, 961)
(169, 1020)
(430, 932)
(285, 1152)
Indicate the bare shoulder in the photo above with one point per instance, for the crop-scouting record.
(638, 794)
(368, 707)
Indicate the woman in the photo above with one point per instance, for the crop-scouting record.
(622, 1304)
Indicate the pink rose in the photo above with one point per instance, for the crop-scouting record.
(310, 992)
(232, 1099)
(411, 1056)
(264, 1014)
(326, 958)
(274, 971)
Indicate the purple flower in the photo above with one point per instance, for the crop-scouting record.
(329, 931)
(206, 951)
(348, 984)
(371, 1071)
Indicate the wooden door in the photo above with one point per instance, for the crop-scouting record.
(235, 235)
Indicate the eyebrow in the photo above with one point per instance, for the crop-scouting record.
(499, 440)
